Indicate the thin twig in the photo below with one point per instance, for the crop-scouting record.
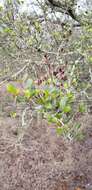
(15, 74)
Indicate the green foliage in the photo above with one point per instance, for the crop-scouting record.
(80, 136)
(37, 26)
(55, 97)
(82, 107)
(55, 103)
(13, 90)
(77, 126)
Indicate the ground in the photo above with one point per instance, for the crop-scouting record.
(36, 158)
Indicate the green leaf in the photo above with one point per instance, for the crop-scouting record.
(27, 93)
(70, 97)
(66, 85)
(46, 93)
(90, 59)
(37, 26)
(12, 89)
(48, 106)
(8, 30)
(59, 115)
(63, 102)
(67, 109)
(1, 7)
(59, 130)
(77, 126)
(13, 114)
(49, 81)
(52, 119)
(82, 108)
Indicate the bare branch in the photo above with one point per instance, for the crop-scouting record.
(65, 7)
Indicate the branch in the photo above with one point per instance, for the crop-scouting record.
(65, 9)
(15, 75)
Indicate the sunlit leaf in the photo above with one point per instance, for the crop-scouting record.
(67, 109)
(27, 93)
(13, 90)
(52, 119)
(59, 130)
(13, 114)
